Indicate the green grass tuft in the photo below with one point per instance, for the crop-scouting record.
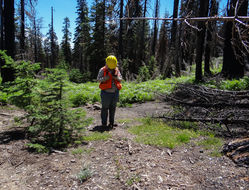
(160, 134)
(79, 151)
(97, 136)
(84, 174)
(213, 144)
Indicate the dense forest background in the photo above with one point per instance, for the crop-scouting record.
(145, 49)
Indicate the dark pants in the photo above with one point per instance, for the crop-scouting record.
(109, 103)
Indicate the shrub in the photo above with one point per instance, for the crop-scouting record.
(84, 174)
(76, 76)
(241, 84)
(143, 74)
(37, 148)
(21, 91)
(51, 120)
(79, 99)
(3, 98)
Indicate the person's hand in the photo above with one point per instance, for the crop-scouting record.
(106, 77)
(114, 74)
(115, 77)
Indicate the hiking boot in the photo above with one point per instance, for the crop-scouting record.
(111, 126)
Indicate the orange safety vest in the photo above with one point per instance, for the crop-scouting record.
(108, 84)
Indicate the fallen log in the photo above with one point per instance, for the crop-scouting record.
(206, 120)
(238, 151)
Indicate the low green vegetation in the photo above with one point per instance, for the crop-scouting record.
(233, 85)
(212, 143)
(132, 92)
(37, 148)
(97, 136)
(133, 179)
(3, 97)
(84, 174)
(80, 94)
(162, 134)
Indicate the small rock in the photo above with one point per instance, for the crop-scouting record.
(169, 152)
(191, 161)
(97, 107)
(160, 179)
(133, 169)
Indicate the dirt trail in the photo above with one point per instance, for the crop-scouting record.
(115, 164)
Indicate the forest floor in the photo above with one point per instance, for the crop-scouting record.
(117, 163)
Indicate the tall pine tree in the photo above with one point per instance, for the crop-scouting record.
(82, 39)
(65, 44)
(98, 51)
(52, 49)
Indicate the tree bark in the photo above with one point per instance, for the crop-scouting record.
(154, 41)
(9, 32)
(174, 49)
(209, 38)
(22, 39)
(233, 66)
(35, 41)
(203, 11)
(52, 39)
(142, 57)
(103, 26)
(1, 25)
(121, 29)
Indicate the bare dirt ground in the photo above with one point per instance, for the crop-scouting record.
(116, 164)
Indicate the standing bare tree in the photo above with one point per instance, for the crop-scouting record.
(154, 39)
(142, 53)
(65, 44)
(233, 56)
(120, 41)
(173, 43)
(163, 46)
(203, 12)
(209, 36)
(1, 24)
(22, 37)
(9, 38)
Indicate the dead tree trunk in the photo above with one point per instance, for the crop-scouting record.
(203, 11)
(233, 66)
(9, 40)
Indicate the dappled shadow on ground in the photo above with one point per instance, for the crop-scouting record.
(100, 128)
(13, 135)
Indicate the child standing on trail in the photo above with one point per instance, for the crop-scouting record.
(109, 77)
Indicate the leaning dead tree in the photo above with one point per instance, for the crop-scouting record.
(196, 103)
(213, 18)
